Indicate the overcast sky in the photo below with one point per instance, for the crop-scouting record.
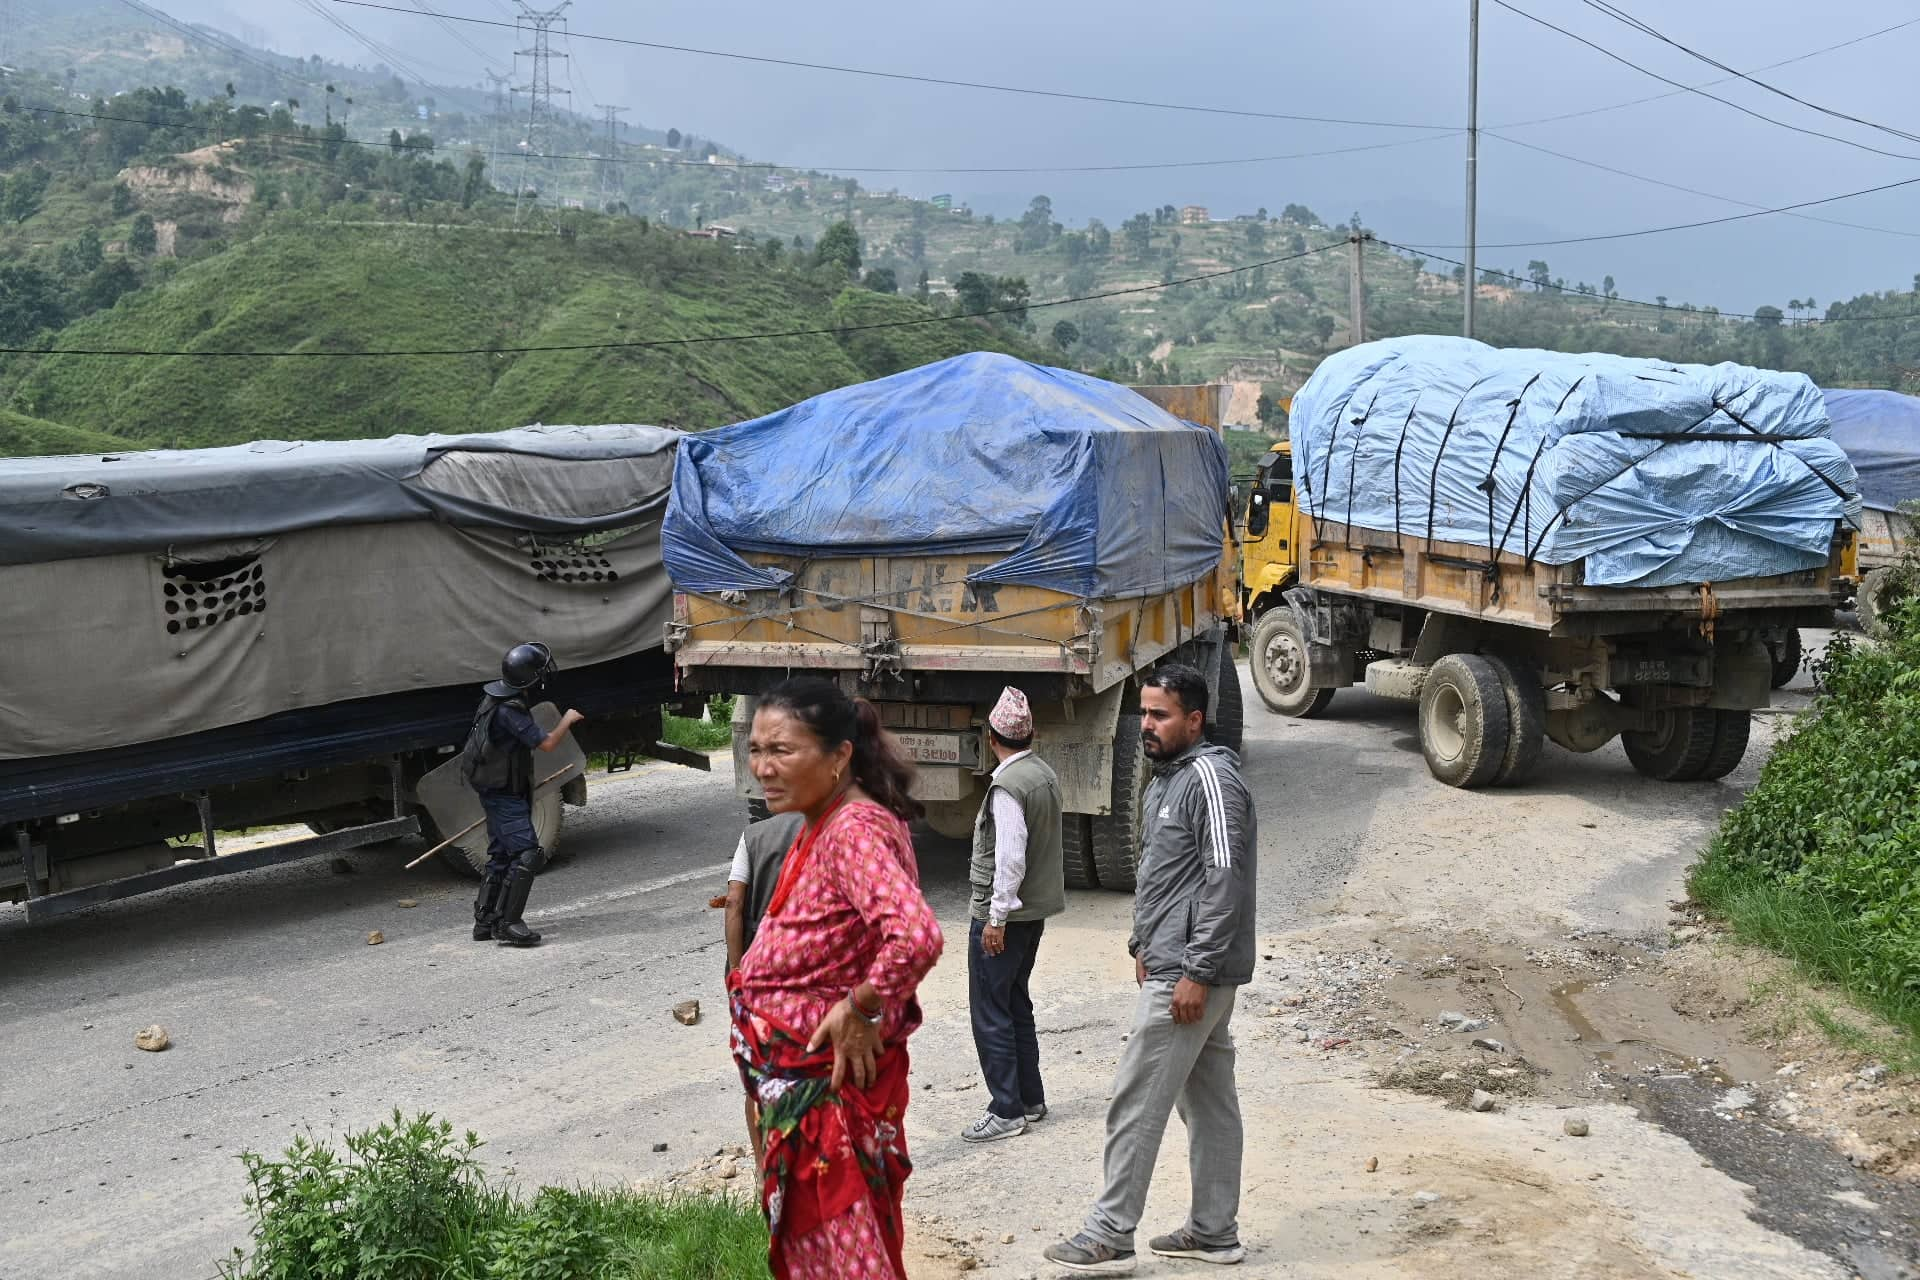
(1390, 60)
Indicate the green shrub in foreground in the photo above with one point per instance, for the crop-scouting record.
(408, 1201)
(1822, 858)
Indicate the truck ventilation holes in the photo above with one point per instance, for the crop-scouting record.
(575, 569)
(200, 597)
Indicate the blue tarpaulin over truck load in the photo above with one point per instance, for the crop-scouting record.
(1077, 484)
(1880, 431)
(1654, 474)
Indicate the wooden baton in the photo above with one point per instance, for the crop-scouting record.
(548, 781)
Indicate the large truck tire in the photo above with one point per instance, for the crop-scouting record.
(1786, 657)
(1526, 720)
(1227, 726)
(469, 857)
(1464, 727)
(1731, 730)
(1874, 600)
(1116, 835)
(1076, 851)
(1679, 748)
(1279, 665)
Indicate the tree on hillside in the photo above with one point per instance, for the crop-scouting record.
(1767, 317)
(1323, 327)
(1300, 216)
(920, 289)
(673, 138)
(1065, 334)
(1540, 274)
(1606, 287)
(476, 181)
(1036, 224)
(1100, 240)
(881, 280)
(29, 302)
(973, 292)
(914, 242)
(395, 141)
(144, 238)
(23, 194)
(1257, 236)
(81, 255)
(1138, 231)
(121, 204)
(839, 248)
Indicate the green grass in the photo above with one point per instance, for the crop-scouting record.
(1821, 860)
(21, 436)
(407, 1200)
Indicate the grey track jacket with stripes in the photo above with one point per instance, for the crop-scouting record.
(1193, 908)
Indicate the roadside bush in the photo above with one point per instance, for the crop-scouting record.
(409, 1201)
(1822, 858)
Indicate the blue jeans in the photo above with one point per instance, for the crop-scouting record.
(1003, 1031)
(509, 829)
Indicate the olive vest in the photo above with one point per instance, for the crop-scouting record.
(1030, 781)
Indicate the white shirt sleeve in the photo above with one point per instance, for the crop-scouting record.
(1009, 856)
(740, 872)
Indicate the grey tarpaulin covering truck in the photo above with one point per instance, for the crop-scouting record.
(213, 639)
(929, 538)
(1533, 544)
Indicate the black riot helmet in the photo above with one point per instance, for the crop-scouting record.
(524, 667)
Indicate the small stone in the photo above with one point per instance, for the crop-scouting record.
(1294, 1002)
(1007, 1238)
(1873, 1074)
(1791, 1069)
(1461, 1022)
(687, 1012)
(1490, 1045)
(86, 1026)
(967, 1263)
(1373, 1164)
(1426, 1197)
(375, 938)
(1447, 1077)
(729, 1170)
(1273, 1011)
(1576, 1127)
(1301, 1037)
(341, 867)
(153, 1039)
(659, 1147)
(1685, 934)
(407, 902)
(1480, 1101)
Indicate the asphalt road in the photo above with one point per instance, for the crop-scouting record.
(115, 1162)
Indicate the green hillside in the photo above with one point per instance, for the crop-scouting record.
(309, 287)
(21, 436)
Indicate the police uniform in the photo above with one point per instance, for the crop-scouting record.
(499, 768)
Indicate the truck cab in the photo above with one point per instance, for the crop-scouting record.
(1269, 541)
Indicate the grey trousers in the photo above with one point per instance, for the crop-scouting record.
(1167, 1065)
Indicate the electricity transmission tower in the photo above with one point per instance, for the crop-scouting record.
(541, 116)
(502, 83)
(7, 18)
(612, 187)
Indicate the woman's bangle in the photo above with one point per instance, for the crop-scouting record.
(873, 1019)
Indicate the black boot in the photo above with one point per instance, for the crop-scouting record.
(486, 907)
(508, 930)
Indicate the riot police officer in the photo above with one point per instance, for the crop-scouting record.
(499, 767)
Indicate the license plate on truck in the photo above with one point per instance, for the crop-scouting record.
(939, 748)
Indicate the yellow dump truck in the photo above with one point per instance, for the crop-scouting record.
(931, 538)
(1410, 546)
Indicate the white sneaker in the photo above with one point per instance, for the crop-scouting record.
(992, 1128)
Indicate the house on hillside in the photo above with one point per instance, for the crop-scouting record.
(1195, 215)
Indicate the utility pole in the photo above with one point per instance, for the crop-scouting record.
(539, 89)
(1473, 153)
(6, 32)
(502, 114)
(1357, 285)
(611, 186)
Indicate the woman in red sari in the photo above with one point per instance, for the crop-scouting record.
(823, 1001)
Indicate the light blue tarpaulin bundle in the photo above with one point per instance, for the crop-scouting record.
(1654, 474)
(1053, 478)
(1880, 430)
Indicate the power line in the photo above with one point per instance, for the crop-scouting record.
(1686, 88)
(440, 19)
(674, 342)
(1692, 191)
(807, 167)
(384, 52)
(1688, 226)
(194, 33)
(955, 84)
(1621, 15)
(1710, 84)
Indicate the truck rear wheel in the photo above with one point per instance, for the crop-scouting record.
(1464, 728)
(1526, 719)
(1679, 746)
(1279, 665)
(1786, 657)
(1730, 732)
(1076, 851)
(1227, 726)
(469, 857)
(1116, 835)
(1875, 599)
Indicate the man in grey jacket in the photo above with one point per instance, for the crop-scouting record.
(1193, 948)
